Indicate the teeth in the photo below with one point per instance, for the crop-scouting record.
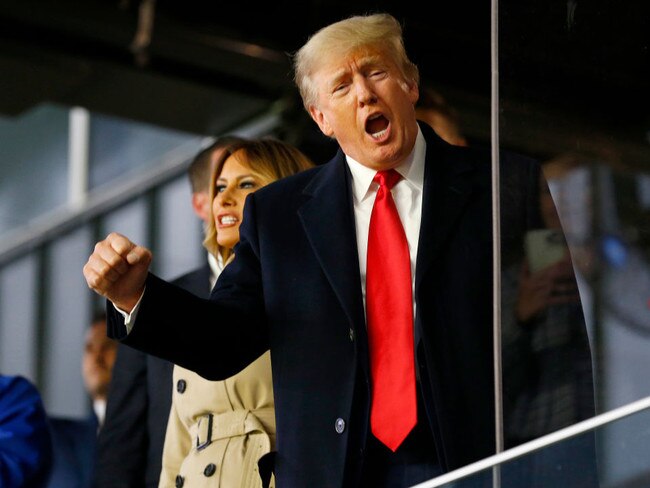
(228, 219)
(378, 135)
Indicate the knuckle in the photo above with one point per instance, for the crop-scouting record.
(103, 269)
(114, 261)
(93, 282)
(121, 246)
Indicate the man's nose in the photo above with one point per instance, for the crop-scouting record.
(365, 92)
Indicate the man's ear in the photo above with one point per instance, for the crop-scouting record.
(413, 91)
(201, 205)
(321, 120)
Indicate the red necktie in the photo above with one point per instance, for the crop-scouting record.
(389, 309)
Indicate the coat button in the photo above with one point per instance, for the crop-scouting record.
(210, 469)
(179, 481)
(352, 334)
(339, 425)
(180, 386)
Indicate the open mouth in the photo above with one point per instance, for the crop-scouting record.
(377, 126)
(228, 220)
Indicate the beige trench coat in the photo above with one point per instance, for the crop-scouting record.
(218, 430)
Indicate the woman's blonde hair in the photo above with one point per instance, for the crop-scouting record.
(268, 160)
(340, 38)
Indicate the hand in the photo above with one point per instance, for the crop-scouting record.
(552, 285)
(565, 287)
(117, 270)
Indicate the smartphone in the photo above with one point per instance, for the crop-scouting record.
(544, 247)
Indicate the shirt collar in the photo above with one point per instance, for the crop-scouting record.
(411, 169)
(216, 267)
(99, 407)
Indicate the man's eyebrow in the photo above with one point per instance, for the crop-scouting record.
(337, 76)
(371, 61)
(365, 63)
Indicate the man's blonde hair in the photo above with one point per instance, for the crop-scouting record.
(340, 38)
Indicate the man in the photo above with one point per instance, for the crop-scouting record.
(131, 442)
(311, 256)
(97, 364)
(75, 440)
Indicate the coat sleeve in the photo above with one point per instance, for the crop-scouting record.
(187, 330)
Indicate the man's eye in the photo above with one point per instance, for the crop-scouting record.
(377, 74)
(340, 88)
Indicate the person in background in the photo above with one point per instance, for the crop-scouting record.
(75, 440)
(140, 394)
(218, 431)
(369, 278)
(25, 444)
(97, 365)
(548, 380)
(432, 108)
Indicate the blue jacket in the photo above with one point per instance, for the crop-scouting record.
(25, 446)
(74, 442)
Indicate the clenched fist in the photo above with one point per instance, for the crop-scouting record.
(117, 270)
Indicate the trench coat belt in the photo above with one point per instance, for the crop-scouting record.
(214, 426)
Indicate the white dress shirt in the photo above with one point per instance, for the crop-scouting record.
(407, 194)
(216, 267)
(99, 407)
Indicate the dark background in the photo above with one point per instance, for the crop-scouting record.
(570, 72)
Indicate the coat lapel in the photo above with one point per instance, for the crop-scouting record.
(328, 220)
(447, 187)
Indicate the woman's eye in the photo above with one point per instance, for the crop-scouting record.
(220, 188)
(248, 184)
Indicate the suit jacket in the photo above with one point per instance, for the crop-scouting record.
(294, 287)
(74, 442)
(140, 395)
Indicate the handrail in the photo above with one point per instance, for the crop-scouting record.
(539, 443)
(173, 164)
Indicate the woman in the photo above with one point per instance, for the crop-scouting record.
(218, 430)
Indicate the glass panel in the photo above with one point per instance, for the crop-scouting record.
(66, 320)
(613, 455)
(546, 353)
(120, 147)
(34, 155)
(132, 220)
(566, 72)
(179, 230)
(18, 316)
